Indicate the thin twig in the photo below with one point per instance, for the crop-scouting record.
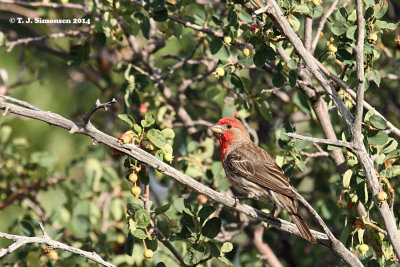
(43, 4)
(337, 143)
(19, 102)
(321, 25)
(97, 106)
(45, 239)
(28, 40)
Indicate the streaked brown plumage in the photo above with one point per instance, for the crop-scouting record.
(253, 172)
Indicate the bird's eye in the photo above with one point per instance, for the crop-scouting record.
(229, 126)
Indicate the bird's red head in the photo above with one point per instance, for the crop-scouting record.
(231, 132)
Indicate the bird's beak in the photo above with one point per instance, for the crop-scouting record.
(217, 128)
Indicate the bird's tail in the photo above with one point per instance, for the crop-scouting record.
(290, 206)
(303, 228)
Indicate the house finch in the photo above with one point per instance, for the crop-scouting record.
(253, 172)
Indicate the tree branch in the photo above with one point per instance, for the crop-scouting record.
(356, 127)
(46, 239)
(43, 4)
(338, 143)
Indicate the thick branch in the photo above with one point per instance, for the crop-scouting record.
(356, 127)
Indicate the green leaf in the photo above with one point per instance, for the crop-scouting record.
(263, 54)
(351, 32)
(179, 204)
(378, 139)
(27, 228)
(158, 5)
(294, 22)
(148, 120)
(392, 145)
(151, 244)
(303, 9)
(156, 137)
(339, 28)
(378, 122)
(218, 50)
(163, 208)
(226, 247)
(168, 133)
(161, 15)
(235, 82)
(129, 244)
(232, 17)
(264, 108)
(205, 212)
(135, 204)
(211, 228)
(137, 128)
(142, 218)
(369, 114)
(140, 234)
(347, 178)
(127, 119)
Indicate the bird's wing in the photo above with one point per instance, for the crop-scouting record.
(257, 166)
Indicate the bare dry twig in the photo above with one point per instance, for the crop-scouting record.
(46, 239)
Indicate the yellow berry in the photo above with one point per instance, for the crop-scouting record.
(246, 52)
(382, 196)
(219, 72)
(133, 177)
(136, 191)
(341, 94)
(316, 2)
(363, 248)
(332, 48)
(53, 255)
(227, 40)
(373, 37)
(168, 157)
(148, 254)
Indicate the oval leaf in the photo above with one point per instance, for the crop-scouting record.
(212, 227)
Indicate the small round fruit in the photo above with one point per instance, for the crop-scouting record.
(202, 199)
(148, 254)
(332, 48)
(341, 94)
(246, 52)
(168, 157)
(321, 35)
(373, 37)
(133, 177)
(382, 196)
(167, 149)
(348, 103)
(363, 248)
(227, 40)
(136, 191)
(53, 255)
(316, 2)
(219, 72)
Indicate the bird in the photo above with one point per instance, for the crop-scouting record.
(254, 173)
